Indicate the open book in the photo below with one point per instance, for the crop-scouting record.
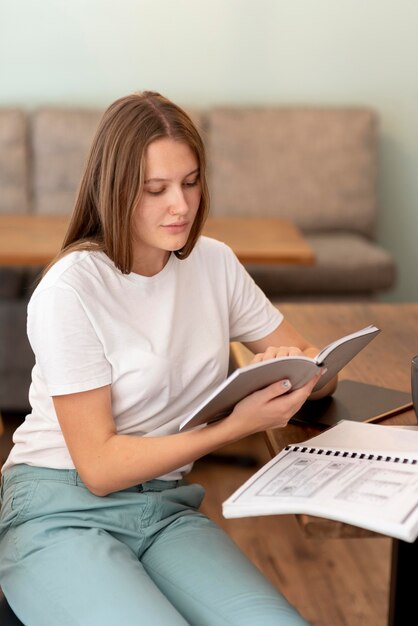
(355, 472)
(298, 369)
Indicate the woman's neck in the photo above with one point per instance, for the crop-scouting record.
(150, 266)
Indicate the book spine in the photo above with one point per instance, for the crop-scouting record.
(352, 455)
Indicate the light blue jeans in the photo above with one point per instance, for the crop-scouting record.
(143, 556)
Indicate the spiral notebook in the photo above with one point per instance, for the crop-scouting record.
(355, 472)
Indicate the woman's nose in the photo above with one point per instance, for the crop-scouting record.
(178, 204)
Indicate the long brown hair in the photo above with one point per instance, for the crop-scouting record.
(113, 179)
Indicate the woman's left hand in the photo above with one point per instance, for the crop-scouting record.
(273, 352)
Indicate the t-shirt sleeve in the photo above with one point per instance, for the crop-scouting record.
(252, 315)
(67, 349)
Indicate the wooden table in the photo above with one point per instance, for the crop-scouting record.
(262, 240)
(30, 240)
(33, 240)
(385, 361)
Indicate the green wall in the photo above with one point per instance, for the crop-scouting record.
(90, 52)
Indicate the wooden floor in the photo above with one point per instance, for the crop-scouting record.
(332, 582)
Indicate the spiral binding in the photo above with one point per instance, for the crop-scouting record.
(352, 455)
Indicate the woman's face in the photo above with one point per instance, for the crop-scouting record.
(168, 206)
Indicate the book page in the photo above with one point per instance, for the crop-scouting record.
(372, 437)
(339, 353)
(367, 333)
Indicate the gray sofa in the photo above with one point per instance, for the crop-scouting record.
(316, 165)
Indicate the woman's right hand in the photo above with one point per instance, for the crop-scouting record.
(271, 407)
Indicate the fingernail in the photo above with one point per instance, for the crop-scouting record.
(324, 371)
(286, 384)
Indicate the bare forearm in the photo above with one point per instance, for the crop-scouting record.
(108, 462)
(126, 460)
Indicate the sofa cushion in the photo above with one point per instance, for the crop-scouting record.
(61, 141)
(345, 264)
(14, 175)
(316, 166)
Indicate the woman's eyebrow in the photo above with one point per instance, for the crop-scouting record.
(161, 180)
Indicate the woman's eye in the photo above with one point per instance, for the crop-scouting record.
(155, 192)
(193, 183)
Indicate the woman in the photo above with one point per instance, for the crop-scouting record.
(130, 327)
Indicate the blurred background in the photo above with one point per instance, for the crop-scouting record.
(342, 52)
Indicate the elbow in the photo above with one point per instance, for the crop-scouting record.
(97, 490)
(95, 481)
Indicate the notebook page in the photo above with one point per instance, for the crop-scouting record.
(348, 434)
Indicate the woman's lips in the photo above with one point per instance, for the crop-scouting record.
(176, 228)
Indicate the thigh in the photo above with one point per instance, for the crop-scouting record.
(85, 578)
(56, 569)
(211, 582)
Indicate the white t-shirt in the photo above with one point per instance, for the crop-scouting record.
(161, 342)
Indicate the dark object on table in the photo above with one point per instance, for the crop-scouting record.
(353, 400)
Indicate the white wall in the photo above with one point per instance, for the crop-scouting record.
(90, 52)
